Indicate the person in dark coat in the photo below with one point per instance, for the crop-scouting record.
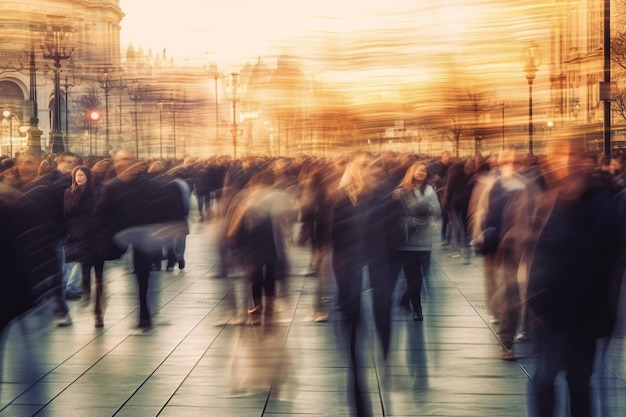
(128, 205)
(255, 230)
(573, 252)
(31, 271)
(209, 182)
(359, 246)
(80, 236)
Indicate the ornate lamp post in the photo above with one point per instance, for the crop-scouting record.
(107, 83)
(70, 82)
(33, 132)
(531, 59)
(57, 46)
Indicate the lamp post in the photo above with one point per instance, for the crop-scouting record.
(530, 59)
(57, 47)
(8, 114)
(135, 96)
(212, 69)
(67, 86)
(235, 77)
(160, 106)
(106, 83)
(502, 126)
(93, 117)
(34, 133)
(217, 107)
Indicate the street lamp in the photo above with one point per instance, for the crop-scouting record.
(8, 114)
(68, 85)
(160, 106)
(57, 46)
(235, 77)
(33, 132)
(106, 83)
(92, 117)
(212, 69)
(136, 96)
(530, 59)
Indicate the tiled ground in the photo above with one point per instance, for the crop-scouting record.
(202, 359)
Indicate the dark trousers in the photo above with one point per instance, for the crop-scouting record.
(559, 350)
(349, 280)
(262, 279)
(415, 265)
(141, 263)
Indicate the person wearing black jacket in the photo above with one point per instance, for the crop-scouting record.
(573, 249)
(80, 237)
(360, 240)
(128, 206)
(31, 271)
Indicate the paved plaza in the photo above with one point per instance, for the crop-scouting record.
(203, 358)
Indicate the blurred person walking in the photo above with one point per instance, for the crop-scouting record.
(477, 212)
(28, 253)
(439, 172)
(574, 244)
(359, 238)
(455, 202)
(255, 230)
(129, 212)
(510, 206)
(48, 191)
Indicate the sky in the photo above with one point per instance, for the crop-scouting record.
(411, 41)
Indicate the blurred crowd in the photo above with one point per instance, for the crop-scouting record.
(549, 231)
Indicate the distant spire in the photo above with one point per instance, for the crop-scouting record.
(130, 52)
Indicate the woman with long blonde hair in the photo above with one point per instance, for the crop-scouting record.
(359, 236)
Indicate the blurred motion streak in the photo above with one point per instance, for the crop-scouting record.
(316, 78)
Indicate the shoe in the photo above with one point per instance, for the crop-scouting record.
(181, 264)
(99, 321)
(320, 317)
(257, 309)
(455, 255)
(418, 317)
(62, 320)
(506, 354)
(144, 324)
(169, 268)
